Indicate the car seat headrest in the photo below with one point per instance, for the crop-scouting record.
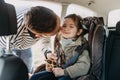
(8, 19)
(91, 23)
(1, 1)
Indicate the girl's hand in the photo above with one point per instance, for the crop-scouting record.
(58, 71)
(48, 67)
(29, 75)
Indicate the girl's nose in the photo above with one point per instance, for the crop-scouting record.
(66, 28)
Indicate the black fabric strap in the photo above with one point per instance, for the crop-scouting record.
(46, 52)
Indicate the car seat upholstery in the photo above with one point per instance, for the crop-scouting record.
(97, 51)
(112, 55)
(96, 36)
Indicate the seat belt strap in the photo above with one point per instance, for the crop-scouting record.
(78, 52)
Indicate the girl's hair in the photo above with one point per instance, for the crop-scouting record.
(78, 22)
(41, 19)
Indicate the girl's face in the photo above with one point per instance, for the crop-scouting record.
(69, 29)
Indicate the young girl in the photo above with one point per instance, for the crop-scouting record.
(67, 42)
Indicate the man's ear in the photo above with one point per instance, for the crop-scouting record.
(79, 32)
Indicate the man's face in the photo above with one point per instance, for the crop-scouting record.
(56, 30)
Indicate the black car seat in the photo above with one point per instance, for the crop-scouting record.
(96, 36)
(112, 55)
(11, 67)
(97, 51)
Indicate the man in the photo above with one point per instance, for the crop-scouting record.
(37, 23)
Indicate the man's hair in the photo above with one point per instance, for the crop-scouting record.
(41, 19)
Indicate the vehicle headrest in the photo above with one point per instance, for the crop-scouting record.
(91, 23)
(118, 27)
(1, 1)
(8, 19)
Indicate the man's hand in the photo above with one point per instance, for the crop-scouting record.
(52, 56)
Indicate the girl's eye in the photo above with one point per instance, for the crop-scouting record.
(71, 26)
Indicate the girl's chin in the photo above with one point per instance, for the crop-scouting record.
(67, 37)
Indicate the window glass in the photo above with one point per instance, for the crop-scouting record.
(80, 10)
(113, 17)
(22, 5)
